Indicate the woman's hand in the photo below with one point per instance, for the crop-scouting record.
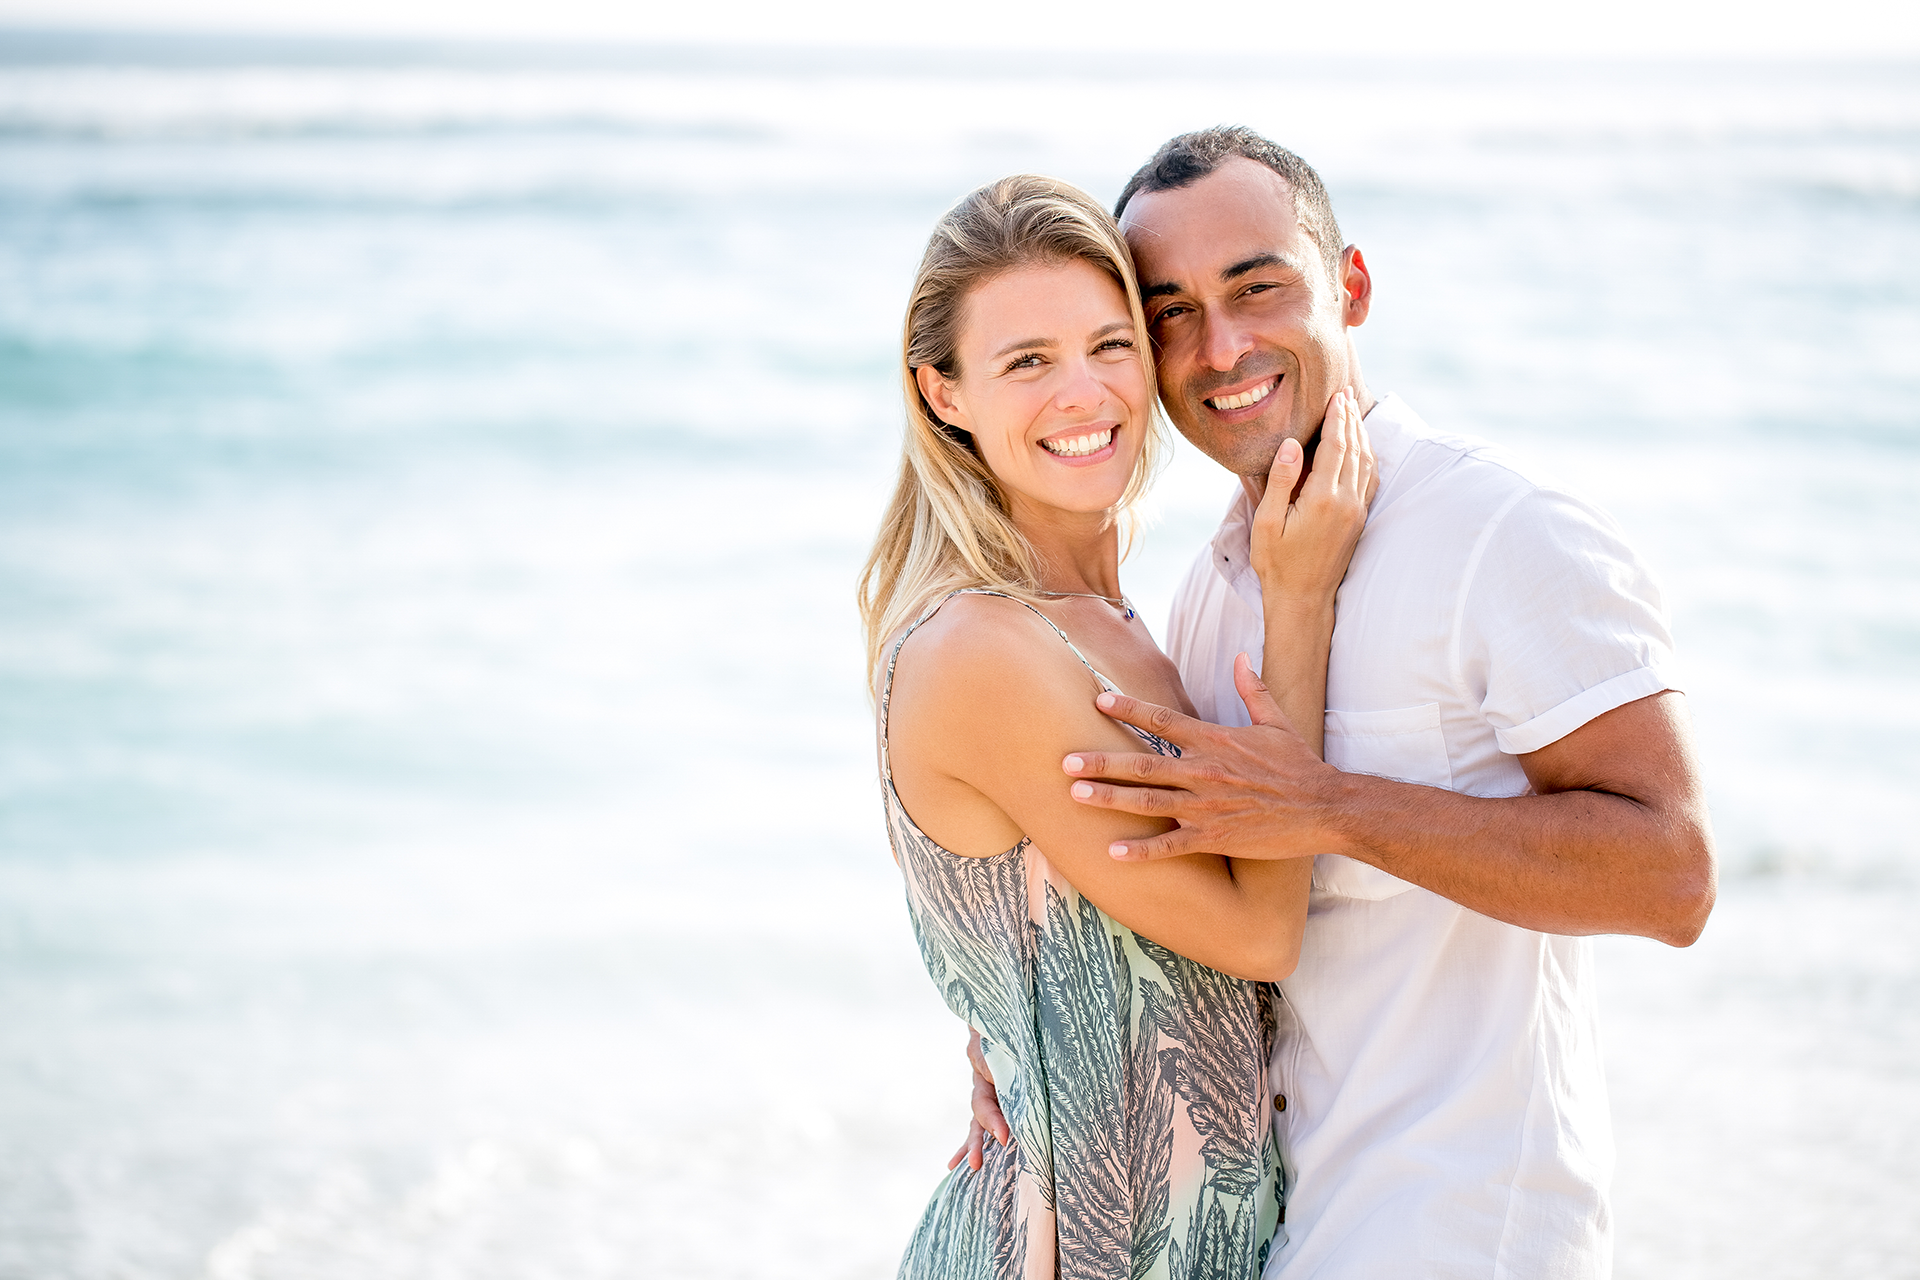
(1301, 545)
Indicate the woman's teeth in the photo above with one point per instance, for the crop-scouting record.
(1245, 398)
(1079, 446)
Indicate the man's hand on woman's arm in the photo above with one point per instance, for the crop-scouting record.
(1615, 840)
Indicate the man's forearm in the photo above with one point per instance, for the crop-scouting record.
(1573, 862)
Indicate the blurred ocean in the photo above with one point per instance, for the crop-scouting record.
(438, 834)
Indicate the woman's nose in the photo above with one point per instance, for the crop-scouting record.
(1080, 388)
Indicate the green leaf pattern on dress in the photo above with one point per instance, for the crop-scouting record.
(1133, 1079)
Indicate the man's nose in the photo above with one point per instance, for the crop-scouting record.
(1222, 342)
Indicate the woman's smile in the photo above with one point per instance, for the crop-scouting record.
(1081, 447)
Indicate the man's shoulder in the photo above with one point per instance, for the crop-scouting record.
(1465, 481)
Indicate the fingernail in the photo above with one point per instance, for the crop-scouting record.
(1105, 701)
(1116, 851)
(1074, 764)
(1082, 790)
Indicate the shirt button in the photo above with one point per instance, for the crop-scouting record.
(1279, 1102)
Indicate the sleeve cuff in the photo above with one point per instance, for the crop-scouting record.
(1551, 726)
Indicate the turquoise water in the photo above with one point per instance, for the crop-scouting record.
(437, 826)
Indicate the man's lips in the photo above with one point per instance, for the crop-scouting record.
(1245, 398)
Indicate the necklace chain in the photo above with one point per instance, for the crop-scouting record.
(1119, 602)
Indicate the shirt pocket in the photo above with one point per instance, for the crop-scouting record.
(1405, 744)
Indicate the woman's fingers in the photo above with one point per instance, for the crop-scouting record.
(1332, 454)
(1284, 475)
(1369, 467)
(1350, 474)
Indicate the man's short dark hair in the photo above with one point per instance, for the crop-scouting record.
(1183, 161)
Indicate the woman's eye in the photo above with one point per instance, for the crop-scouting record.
(1116, 344)
(1024, 362)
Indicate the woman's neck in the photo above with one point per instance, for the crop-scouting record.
(1078, 552)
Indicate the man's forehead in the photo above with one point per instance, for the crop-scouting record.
(1242, 207)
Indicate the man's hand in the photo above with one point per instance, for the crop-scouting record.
(1254, 792)
(987, 1118)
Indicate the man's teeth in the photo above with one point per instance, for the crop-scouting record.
(1079, 446)
(1245, 398)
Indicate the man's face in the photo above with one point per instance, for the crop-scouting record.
(1249, 330)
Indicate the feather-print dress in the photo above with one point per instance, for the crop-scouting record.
(1134, 1080)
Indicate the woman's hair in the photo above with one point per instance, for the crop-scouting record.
(947, 526)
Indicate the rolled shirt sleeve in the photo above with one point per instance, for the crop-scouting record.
(1560, 622)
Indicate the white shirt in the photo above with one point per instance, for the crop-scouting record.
(1447, 1109)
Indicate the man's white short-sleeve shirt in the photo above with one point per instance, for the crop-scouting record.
(1447, 1110)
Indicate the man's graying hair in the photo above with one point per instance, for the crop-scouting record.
(1183, 161)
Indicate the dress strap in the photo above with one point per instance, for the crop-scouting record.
(886, 689)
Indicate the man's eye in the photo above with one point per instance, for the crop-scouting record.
(1168, 313)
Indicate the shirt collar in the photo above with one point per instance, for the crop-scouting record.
(1392, 428)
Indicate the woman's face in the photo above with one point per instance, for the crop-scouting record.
(1051, 385)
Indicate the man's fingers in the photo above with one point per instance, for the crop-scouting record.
(977, 1055)
(1125, 766)
(1174, 844)
(987, 1114)
(1153, 802)
(973, 1150)
(1261, 704)
(1163, 722)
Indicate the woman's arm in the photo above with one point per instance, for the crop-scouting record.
(1302, 544)
(986, 701)
(1303, 540)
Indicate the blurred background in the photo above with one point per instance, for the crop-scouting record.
(438, 826)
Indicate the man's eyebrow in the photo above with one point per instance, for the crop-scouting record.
(1163, 290)
(1260, 262)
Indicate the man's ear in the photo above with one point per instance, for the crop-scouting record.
(939, 394)
(1357, 282)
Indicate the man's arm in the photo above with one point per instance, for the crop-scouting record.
(1616, 840)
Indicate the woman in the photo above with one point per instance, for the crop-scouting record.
(1123, 1007)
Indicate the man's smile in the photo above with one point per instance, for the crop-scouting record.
(1244, 399)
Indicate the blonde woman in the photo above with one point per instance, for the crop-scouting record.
(1122, 1006)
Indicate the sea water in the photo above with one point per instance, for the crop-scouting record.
(438, 825)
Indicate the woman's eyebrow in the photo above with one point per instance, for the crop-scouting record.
(1021, 344)
(1106, 329)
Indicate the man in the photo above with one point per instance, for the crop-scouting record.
(1508, 764)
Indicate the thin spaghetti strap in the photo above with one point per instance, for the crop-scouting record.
(983, 591)
(893, 658)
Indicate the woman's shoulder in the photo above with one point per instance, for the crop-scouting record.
(990, 649)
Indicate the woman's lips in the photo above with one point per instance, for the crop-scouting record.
(1081, 448)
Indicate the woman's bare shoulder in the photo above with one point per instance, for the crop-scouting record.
(990, 655)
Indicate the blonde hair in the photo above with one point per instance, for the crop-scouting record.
(947, 526)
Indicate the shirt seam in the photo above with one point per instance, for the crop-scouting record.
(1500, 1269)
(1468, 577)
